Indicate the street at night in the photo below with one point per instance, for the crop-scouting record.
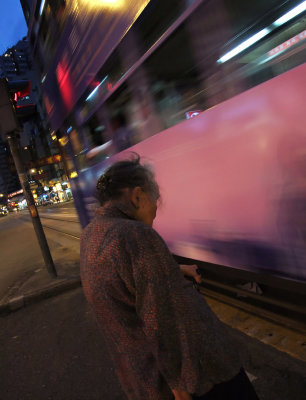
(152, 200)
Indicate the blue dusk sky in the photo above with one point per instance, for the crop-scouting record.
(12, 24)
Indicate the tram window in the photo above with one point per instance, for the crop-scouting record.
(121, 114)
(183, 74)
(106, 78)
(77, 146)
(155, 19)
(119, 100)
(95, 131)
(241, 14)
(208, 82)
(283, 50)
(116, 134)
(174, 79)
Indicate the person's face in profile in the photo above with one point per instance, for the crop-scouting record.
(145, 206)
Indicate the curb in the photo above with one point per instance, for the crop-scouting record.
(16, 303)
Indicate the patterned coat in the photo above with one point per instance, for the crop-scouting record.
(160, 332)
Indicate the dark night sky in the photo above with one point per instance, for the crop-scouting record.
(12, 24)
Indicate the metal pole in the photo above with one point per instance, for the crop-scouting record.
(43, 244)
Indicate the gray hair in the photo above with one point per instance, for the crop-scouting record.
(126, 174)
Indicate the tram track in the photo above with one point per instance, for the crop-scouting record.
(240, 293)
(62, 232)
(58, 229)
(58, 219)
(256, 310)
(281, 304)
(71, 234)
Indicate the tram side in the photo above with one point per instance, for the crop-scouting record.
(232, 177)
(233, 180)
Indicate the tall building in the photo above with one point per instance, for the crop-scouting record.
(37, 147)
(9, 181)
(16, 62)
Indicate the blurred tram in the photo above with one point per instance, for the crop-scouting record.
(212, 93)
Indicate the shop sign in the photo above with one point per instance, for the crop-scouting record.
(15, 193)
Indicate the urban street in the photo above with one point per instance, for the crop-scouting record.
(174, 131)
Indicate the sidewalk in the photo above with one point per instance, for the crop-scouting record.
(54, 350)
(38, 284)
(24, 277)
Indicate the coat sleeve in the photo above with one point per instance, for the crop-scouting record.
(168, 308)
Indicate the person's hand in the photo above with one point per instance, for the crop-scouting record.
(181, 395)
(191, 270)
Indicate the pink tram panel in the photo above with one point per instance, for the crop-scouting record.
(233, 180)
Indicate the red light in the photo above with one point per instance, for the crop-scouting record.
(25, 106)
(109, 86)
(65, 84)
(94, 84)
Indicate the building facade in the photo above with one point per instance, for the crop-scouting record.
(40, 153)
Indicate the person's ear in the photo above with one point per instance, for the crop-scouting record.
(136, 197)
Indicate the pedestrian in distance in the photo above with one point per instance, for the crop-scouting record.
(164, 340)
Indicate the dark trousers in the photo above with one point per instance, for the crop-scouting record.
(238, 388)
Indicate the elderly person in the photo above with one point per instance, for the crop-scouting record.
(165, 341)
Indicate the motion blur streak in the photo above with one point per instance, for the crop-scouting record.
(130, 74)
(102, 4)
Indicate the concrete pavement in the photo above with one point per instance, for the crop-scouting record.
(53, 350)
(24, 278)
